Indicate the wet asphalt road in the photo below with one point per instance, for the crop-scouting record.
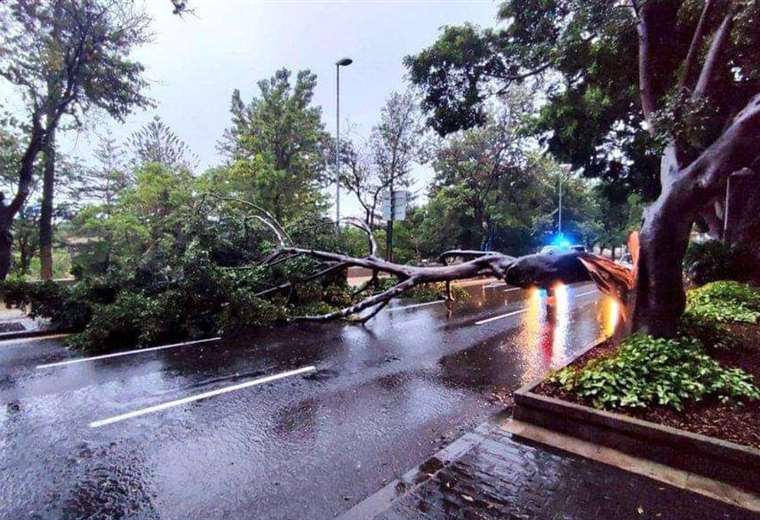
(379, 400)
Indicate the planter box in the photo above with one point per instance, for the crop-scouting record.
(712, 458)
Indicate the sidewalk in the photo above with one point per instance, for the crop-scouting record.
(487, 474)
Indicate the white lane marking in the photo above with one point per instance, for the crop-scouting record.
(198, 397)
(415, 305)
(5, 342)
(127, 353)
(500, 316)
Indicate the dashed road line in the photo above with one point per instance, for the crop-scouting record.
(415, 305)
(198, 397)
(500, 317)
(127, 353)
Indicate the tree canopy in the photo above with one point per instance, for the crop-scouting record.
(585, 56)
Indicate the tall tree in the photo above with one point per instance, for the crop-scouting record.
(110, 177)
(698, 84)
(397, 142)
(65, 57)
(481, 161)
(359, 176)
(156, 143)
(277, 146)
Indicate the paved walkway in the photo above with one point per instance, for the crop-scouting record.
(490, 475)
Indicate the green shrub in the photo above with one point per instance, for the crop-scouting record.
(67, 307)
(646, 371)
(724, 301)
(713, 260)
(246, 311)
(115, 325)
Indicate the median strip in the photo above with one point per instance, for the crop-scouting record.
(198, 397)
(127, 353)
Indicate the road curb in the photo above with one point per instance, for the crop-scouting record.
(708, 457)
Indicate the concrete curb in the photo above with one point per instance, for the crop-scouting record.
(715, 459)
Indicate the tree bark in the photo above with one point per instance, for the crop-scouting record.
(659, 296)
(46, 213)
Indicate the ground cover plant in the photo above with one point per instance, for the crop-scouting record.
(704, 380)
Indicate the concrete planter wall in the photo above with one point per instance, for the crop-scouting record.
(713, 458)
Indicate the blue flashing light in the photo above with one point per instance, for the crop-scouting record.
(561, 241)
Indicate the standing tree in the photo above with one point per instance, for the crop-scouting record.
(396, 143)
(698, 84)
(278, 147)
(105, 183)
(64, 58)
(360, 177)
(478, 162)
(156, 143)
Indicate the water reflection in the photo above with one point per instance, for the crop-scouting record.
(559, 317)
(548, 337)
(610, 316)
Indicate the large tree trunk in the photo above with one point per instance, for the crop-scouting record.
(659, 298)
(46, 213)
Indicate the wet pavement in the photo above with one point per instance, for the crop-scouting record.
(125, 437)
(498, 476)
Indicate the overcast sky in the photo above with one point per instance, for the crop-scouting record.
(195, 62)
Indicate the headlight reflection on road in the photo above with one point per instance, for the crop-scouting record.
(545, 329)
(559, 322)
(610, 315)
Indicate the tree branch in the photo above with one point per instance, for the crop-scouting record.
(713, 59)
(646, 89)
(696, 42)
(735, 149)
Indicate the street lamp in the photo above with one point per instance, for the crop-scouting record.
(565, 168)
(345, 62)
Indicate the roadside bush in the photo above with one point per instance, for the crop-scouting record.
(724, 301)
(646, 371)
(114, 325)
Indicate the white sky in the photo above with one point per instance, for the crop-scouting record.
(195, 62)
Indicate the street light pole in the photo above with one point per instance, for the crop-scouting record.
(560, 205)
(345, 62)
(564, 170)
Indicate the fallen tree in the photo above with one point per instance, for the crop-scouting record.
(535, 270)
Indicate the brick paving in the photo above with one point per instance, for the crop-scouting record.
(499, 477)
